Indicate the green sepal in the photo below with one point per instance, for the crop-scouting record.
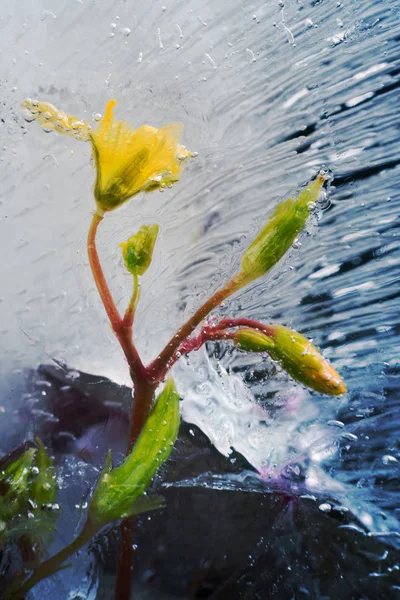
(283, 226)
(252, 340)
(118, 489)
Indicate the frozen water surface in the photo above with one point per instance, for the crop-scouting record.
(268, 93)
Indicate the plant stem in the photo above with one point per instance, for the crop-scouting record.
(142, 399)
(123, 584)
(130, 311)
(251, 323)
(53, 564)
(143, 391)
(98, 274)
(162, 363)
(123, 333)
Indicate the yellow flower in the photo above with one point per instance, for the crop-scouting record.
(128, 161)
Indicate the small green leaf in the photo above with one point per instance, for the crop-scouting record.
(118, 489)
(284, 225)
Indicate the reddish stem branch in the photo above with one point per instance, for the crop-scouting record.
(162, 363)
(195, 343)
(216, 332)
(251, 323)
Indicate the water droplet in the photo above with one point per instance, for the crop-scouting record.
(125, 31)
(296, 244)
(334, 423)
(388, 459)
(350, 436)
(325, 507)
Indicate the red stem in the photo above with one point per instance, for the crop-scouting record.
(142, 400)
(123, 333)
(213, 333)
(123, 584)
(98, 274)
(251, 323)
(162, 363)
(195, 343)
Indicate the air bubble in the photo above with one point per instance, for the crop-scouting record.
(388, 459)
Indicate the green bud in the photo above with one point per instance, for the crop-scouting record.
(282, 228)
(137, 251)
(118, 489)
(301, 359)
(253, 340)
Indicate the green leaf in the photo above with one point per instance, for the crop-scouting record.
(119, 488)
